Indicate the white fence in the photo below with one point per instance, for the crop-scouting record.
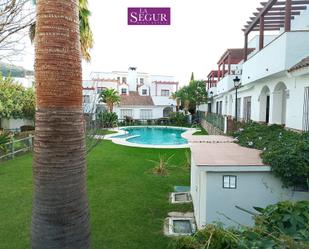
(17, 146)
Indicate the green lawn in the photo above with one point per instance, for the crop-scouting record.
(105, 132)
(202, 132)
(128, 203)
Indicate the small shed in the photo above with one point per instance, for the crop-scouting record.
(227, 179)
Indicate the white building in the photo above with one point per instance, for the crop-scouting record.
(143, 96)
(229, 179)
(273, 69)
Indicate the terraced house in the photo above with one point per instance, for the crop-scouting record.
(273, 68)
(142, 96)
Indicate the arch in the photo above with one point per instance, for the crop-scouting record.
(279, 104)
(167, 111)
(264, 104)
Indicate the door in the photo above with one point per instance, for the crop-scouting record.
(267, 108)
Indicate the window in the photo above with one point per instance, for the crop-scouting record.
(165, 92)
(247, 109)
(124, 80)
(141, 80)
(146, 114)
(126, 113)
(118, 79)
(301, 186)
(123, 91)
(306, 110)
(229, 182)
(219, 107)
(100, 89)
(144, 92)
(86, 98)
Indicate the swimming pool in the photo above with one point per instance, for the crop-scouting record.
(153, 135)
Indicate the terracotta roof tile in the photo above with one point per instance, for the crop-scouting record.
(134, 99)
(302, 64)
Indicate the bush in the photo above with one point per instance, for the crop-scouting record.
(178, 119)
(284, 225)
(108, 119)
(287, 152)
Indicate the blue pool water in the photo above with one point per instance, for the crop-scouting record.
(154, 135)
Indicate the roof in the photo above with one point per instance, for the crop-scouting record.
(236, 55)
(134, 99)
(224, 154)
(302, 64)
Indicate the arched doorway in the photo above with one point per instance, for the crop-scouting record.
(265, 105)
(279, 104)
(167, 111)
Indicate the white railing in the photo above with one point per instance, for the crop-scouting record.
(17, 146)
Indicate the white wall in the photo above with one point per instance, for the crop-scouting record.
(278, 56)
(15, 124)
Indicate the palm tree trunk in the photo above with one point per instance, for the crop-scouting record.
(60, 216)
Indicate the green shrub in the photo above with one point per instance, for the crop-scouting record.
(283, 225)
(108, 119)
(178, 119)
(287, 152)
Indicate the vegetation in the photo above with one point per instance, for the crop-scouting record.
(60, 216)
(4, 138)
(178, 119)
(284, 225)
(86, 35)
(201, 132)
(15, 100)
(161, 165)
(110, 97)
(193, 95)
(287, 152)
(128, 205)
(108, 119)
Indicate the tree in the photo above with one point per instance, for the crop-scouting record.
(60, 214)
(110, 97)
(175, 96)
(15, 100)
(192, 77)
(86, 35)
(15, 17)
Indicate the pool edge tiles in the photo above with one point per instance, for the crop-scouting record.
(125, 142)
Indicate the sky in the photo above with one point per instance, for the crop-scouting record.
(200, 32)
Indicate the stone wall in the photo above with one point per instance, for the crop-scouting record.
(212, 130)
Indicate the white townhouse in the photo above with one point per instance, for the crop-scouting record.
(273, 69)
(143, 96)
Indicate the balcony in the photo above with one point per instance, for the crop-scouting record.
(225, 84)
(277, 57)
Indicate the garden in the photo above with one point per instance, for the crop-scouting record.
(128, 202)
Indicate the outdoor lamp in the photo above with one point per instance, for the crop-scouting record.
(237, 85)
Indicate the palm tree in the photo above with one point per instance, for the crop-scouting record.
(86, 36)
(175, 96)
(110, 97)
(60, 216)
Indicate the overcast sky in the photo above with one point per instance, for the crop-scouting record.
(201, 31)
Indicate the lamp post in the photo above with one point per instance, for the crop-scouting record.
(236, 85)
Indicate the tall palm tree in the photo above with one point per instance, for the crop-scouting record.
(86, 35)
(110, 97)
(60, 216)
(176, 96)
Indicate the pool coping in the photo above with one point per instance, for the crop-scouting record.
(123, 141)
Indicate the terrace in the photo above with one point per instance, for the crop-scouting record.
(287, 49)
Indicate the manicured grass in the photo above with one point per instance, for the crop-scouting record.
(128, 202)
(105, 132)
(202, 132)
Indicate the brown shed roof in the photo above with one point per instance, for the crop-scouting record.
(302, 64)
(134, 99)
